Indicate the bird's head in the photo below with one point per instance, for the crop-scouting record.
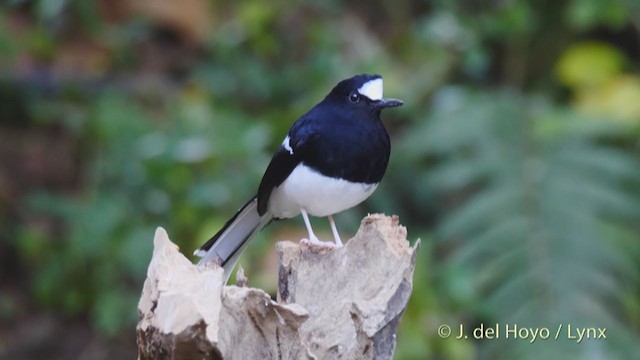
(361, 93)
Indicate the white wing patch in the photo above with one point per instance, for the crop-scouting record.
(372, 89)
(287, 146)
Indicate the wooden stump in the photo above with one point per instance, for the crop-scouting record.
(332, 303)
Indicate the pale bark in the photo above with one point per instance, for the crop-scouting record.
(331, 303)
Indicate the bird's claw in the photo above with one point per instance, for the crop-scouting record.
(315, 242)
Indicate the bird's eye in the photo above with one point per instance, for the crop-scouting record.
(354, 97)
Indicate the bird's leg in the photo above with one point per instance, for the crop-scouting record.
(336, 236)
(312, 237)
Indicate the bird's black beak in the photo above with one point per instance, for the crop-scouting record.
(387, 103)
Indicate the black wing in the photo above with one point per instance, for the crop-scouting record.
(281, 165)
(301, 136)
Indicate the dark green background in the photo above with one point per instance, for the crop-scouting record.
(514, 159)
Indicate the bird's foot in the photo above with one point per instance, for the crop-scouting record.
(315, 242)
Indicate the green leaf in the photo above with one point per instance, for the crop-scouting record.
(543, 224)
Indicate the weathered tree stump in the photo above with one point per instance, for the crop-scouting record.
(332, 303)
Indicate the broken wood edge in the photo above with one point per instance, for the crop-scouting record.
(186, 312)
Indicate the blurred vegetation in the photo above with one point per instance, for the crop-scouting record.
(515, 158)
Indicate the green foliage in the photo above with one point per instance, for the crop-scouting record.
(140, 174)
(584, 14)
(521, 181)
(588, 65)
(536, 224)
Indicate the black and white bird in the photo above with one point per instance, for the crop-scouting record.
(332, 159)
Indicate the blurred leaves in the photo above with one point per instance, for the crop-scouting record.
(595, 72)
(136, 176)
(617, 99)
(589, 64)
(522, 181)
(537, 228)
(587, 13)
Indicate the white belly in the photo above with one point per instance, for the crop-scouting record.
(317, 194)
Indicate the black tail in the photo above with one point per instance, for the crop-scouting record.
(226, 246)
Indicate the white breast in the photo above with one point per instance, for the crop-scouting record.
(318, 194)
